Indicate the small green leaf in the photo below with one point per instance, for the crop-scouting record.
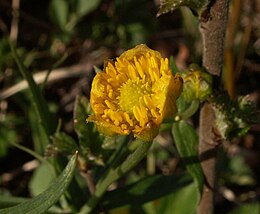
(45, 200)
(173, 66)
(186, 140)
(145, 190)
(84, 7)
(59, 12)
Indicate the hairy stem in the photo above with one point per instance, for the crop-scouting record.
(213, 36)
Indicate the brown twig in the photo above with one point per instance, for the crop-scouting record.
(15, 21)
(213, 35)
(233, 24)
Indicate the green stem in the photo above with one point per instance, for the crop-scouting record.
(61, 60)
(37, 156)
(114, 174)
(192, 109)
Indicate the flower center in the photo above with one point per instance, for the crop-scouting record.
(132, 93)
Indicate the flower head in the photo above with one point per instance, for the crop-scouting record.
(134, 94)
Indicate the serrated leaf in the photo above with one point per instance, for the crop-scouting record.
(170, 5)
(45, 200)
(186, 140)
(145, 190)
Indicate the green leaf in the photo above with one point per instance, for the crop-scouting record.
(147, 189)
(44, 116)
(186, 140)
(196, 6)
(85, 7)
(59, 12)
(37, 185)
(183, 200)
(7, 134)
(8, 201)
(253, 208)
(173, 66)
(45, 200)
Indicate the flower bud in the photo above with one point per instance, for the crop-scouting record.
(197, 84)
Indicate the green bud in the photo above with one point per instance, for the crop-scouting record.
(197, 84)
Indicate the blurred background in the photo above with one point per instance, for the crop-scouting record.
(66, 38)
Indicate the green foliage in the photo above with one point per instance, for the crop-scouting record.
(234, 117)
(76, 30)
(145, 190)
(66, 14)
(8, 133)
(45, 119)
(235, 171)
(62, 144)
(252, 208)
(186, 140)
(45, 200)
(90, 141)
(37, 185)
(175, 201)
(197, 6)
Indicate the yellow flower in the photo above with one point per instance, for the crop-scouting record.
(134, 94)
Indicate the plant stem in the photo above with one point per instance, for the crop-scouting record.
(113, 174)
(192, 109)
(213, 35)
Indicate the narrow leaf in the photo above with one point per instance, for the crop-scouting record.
(186, 140)
(45, 200)
(38, 101)
(8, 201)
(145, 190)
